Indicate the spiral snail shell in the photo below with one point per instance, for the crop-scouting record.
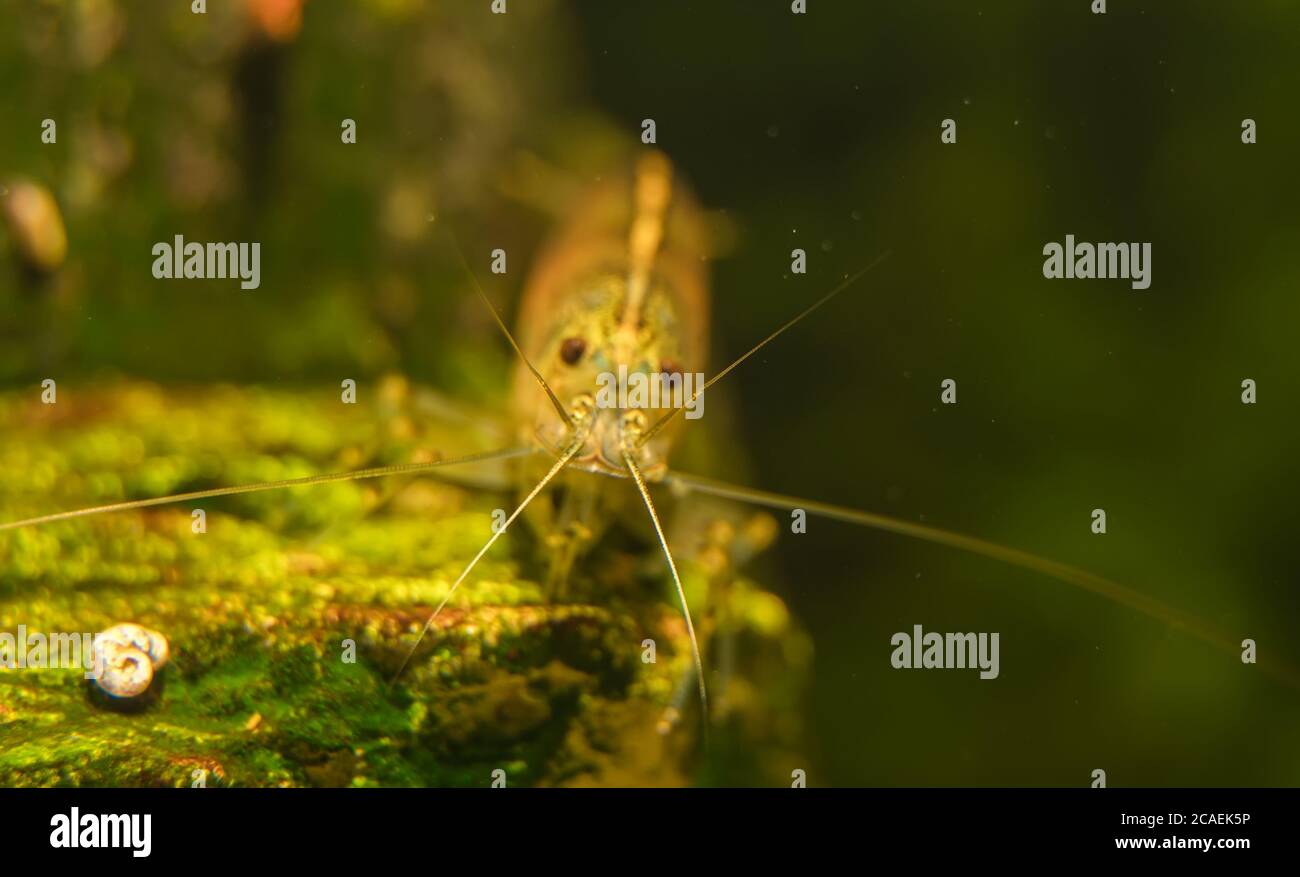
(128, 657)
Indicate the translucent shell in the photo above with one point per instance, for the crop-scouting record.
(129, 656)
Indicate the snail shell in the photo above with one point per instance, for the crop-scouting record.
(125, 671)
(129, 656)
(151, 642)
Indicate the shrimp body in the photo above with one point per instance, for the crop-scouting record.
(620, 291)
(624, 284)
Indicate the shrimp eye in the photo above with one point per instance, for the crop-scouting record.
(670, 367)
(571, 350)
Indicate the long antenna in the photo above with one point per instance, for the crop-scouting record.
(564, 415)
(681, 592)
(379, 472)
(1063, 572)
(849, 281)
(573, 448)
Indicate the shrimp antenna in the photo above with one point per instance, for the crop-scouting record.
(849, 281)
(559, 409)
(1062, 572)
(379, 472)
(677, 580)
(574, 446)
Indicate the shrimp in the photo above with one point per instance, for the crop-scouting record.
(622, 290)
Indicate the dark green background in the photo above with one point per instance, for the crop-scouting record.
(822, 132)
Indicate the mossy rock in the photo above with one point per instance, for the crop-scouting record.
(264, 610)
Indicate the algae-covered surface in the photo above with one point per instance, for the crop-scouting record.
(289, 614)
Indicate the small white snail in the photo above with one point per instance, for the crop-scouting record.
(128, 656)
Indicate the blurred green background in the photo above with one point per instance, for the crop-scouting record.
(818, 131)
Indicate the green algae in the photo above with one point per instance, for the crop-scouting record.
(289, 615)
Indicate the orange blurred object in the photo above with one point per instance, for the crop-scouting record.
(278, 19)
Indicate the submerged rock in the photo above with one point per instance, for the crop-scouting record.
(287, 618)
